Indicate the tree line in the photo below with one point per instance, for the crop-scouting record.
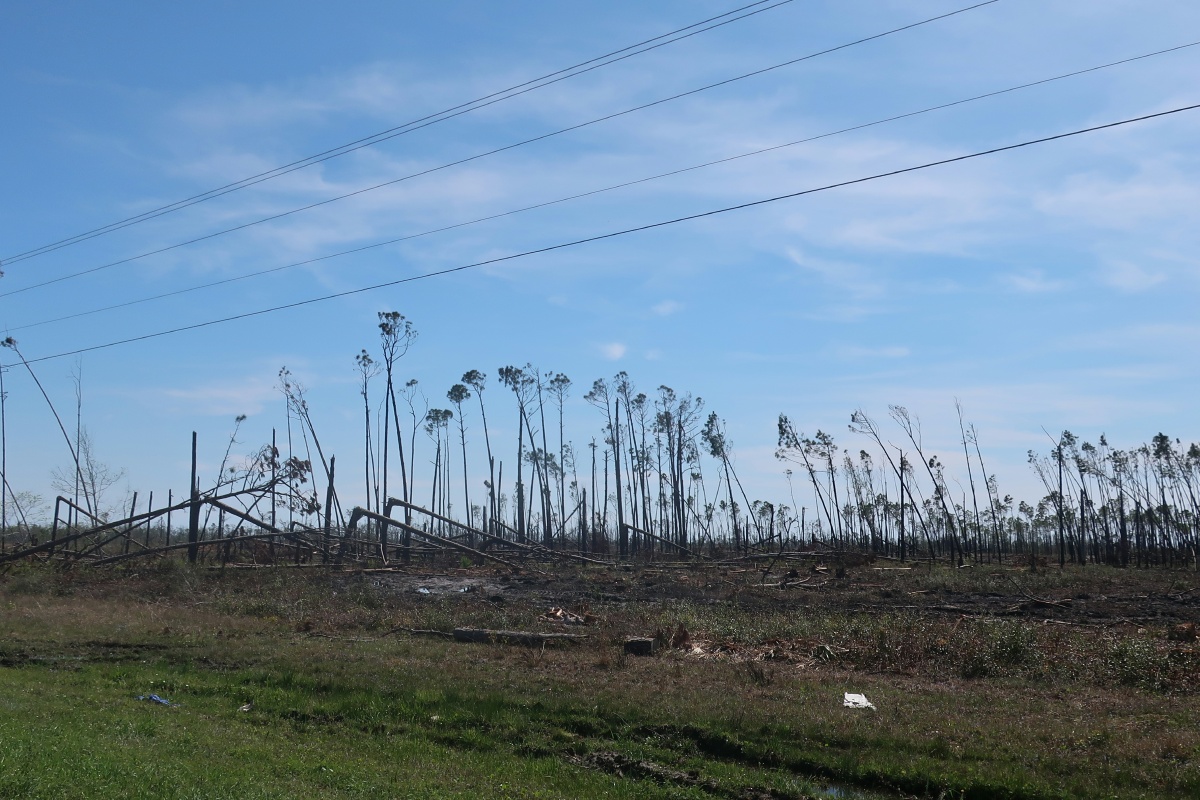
(660, 476)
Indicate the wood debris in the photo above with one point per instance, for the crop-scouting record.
(565, 617)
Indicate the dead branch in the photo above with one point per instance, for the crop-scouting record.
(656, 537)
(359, 513)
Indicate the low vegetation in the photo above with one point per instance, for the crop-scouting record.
(988, 683)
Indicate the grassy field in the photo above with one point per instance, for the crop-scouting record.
(974, 699)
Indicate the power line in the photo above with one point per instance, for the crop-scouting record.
(603, 236)
(407, 127)
(478, 156)
(613, 187)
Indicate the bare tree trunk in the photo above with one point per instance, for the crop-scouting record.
(12, 344)
(547, 506)
(462, 432)
(521, 533)
(622, 532)
(329, 507)
(194, 510)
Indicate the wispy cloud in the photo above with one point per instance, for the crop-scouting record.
(667, 307)
(1032, 281)
(1130, 277)
(1150, 337)
(846, 275)
(229, 397)
(377, 89)
(887, 351)
(1033, 284)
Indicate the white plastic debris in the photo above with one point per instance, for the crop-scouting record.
(857, 701)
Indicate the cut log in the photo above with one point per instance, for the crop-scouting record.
(527, 638)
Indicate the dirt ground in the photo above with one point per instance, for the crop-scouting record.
(1094, 596)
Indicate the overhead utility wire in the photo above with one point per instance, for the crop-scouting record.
(603, 236)
(599, 191)
(478, 156)
(408, 127)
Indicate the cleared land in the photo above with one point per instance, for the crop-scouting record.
(989, 682)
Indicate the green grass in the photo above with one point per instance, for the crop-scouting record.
(79, 732)
(83, 735)
(970, 709)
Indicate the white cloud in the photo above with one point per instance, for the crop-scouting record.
(613, 351)
(1158, 193)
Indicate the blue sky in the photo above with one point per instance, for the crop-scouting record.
(1049, 288)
